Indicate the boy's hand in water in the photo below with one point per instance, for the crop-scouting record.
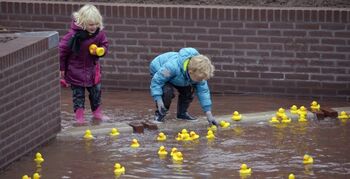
(211, 118)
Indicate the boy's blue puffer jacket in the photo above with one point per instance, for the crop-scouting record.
(169, 67)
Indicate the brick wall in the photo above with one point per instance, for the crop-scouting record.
(29, 94)
(300, 52)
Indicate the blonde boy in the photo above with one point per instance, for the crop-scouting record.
(188, 72)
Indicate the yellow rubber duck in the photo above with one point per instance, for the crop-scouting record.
(134, 143)
(162, 151)
(173, 151)
(178, 156)
(38, 159)
(286, 119)
(186, 137)
(302, 110)
(294, 109)
(25, 177)
(88, 135)
(302, 118)
(236, 116)
(36, 176)
(245, 170)
(114, 132)
(210, 135)
(161, 137)
(193, 135)
(179, 137)
(99, 51)
(213, 128)
(274, 120)
(184, 131)
(308, 159)
(281, 112)
(291, 176)
(315, 106)
(343, 115)
(118, 169)
(224, 124)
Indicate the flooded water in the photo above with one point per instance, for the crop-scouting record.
(271, 152)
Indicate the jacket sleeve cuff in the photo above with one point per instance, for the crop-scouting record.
(206, 108)
(156, 98)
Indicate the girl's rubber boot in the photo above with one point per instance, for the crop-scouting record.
(79, 116)
(98, 114)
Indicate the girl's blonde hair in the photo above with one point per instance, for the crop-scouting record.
(201, 66)
(88, 14)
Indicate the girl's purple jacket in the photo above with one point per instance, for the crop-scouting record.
(80, 67)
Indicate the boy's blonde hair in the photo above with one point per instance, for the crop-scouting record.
(201, 66)
(87, 14)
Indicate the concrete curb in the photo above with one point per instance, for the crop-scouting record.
(173, 124)
(98, 130)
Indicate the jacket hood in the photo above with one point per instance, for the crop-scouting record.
(74, 27)
(186, 53)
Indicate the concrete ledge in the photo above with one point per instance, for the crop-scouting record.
(174, 124)
(98, 130)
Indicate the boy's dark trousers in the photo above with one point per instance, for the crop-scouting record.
(79, 96)
(186, 95)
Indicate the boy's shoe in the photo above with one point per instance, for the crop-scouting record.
(186, 116)
(158, 117)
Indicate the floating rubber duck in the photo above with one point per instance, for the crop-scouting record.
(245, 170)
(25, 177)
(94, 49)
(308, 159)
(161, 137)
(274, 120)
(281, 112)
(179, 137)
(291, 176)
(224, 124)
(213, 128)
(173, 151)
(134, 143)
(114, 132)
(162, 151)
(236, 116)
(36, 176)
(88, 135)
(294, 109)
(118, 169)
(186, 137)
(38, 159)
(193, 135)
(315, 106)
(178, 156)
(286, 119)
(210, 135)
(302, 118)
(184, 131)
(343, 115)
(302, 110)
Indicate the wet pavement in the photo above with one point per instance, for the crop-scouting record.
(128, 106)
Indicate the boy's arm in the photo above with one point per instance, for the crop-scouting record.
(159, 79)
(203, 94)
